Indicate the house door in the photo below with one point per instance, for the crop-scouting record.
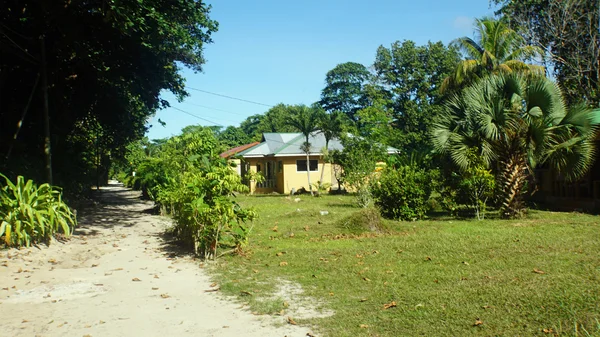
(269, 174)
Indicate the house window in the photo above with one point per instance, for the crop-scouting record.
(280, 166)
(301, 165)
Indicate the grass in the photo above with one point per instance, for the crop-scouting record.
(528, 277)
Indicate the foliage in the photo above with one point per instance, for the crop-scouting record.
(496, 48)
(477, 185)
(306, 120)
(30, 214)
(358, 160)
(402, 193)
(410, 77)
(567, 31)
(343, 90)
(331, 126)
(516, 123)
(185, 176)
(232, 137)
(101, 91)
(207, 218)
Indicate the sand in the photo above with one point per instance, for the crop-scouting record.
(118, 276)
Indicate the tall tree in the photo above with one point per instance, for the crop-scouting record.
(410, 77)
(516, 123)
(106, 63)
(568, 32)
(233, 136)
(496, 48)
(344, 88)
(306, 120)
(331, 125)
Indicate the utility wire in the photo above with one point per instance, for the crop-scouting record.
(191, 114)
(207, 107)
(234, 98)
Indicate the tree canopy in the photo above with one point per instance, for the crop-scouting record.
(106, 63)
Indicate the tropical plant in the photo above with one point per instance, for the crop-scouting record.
(358, 162)
(306, 120)
(201, 202)
(496, 48)
(331, 126)
(402, 193)
(516, 123)
(31, 214)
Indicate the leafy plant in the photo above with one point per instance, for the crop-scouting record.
(402, 193)
(30, 214)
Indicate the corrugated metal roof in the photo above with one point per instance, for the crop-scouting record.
(236, 150)
(290, 144)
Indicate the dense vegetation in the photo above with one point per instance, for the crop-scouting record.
(81, 78)
(189, 181)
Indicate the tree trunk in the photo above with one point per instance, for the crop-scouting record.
(308, 173)
(323, 169)
(511, 180)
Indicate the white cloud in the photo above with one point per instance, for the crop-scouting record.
(463, 23)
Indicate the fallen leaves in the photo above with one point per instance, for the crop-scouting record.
(537, 271)
(135, 279)
(478, 322)
(363, 326)
(392, 304)
(547, 331)
(164, 295)
(283, 263)
(275, 229)
(291, 321)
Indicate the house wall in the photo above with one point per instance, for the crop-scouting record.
(291, 178)
(286, 177)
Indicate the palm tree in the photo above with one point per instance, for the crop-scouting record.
(496, 48)
(331, 127)
(306, 120)
(516, 123)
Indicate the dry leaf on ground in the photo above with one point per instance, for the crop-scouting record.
(135, 279)
(537, 271)
(478, 322)
(389, 305)
(291, 321)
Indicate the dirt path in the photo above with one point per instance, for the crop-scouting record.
(116, 277)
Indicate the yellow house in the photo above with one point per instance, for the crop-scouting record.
(282, 162)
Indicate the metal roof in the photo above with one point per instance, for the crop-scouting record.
(290, 144)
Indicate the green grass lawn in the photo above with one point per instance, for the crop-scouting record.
(447, 278)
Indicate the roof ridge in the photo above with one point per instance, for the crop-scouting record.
(288, 143)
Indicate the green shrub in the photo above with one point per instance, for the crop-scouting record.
(207, 217)
(30, 214)
(365, 220)
(402, 193)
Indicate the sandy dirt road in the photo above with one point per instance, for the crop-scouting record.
(117, 276)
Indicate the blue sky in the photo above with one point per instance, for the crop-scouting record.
(273, 51)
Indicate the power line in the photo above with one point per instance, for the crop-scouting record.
(191, 114)
(234, 98)
(207, 107)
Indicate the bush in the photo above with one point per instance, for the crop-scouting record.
(365, 220)
(402, 193)
(30, 214)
